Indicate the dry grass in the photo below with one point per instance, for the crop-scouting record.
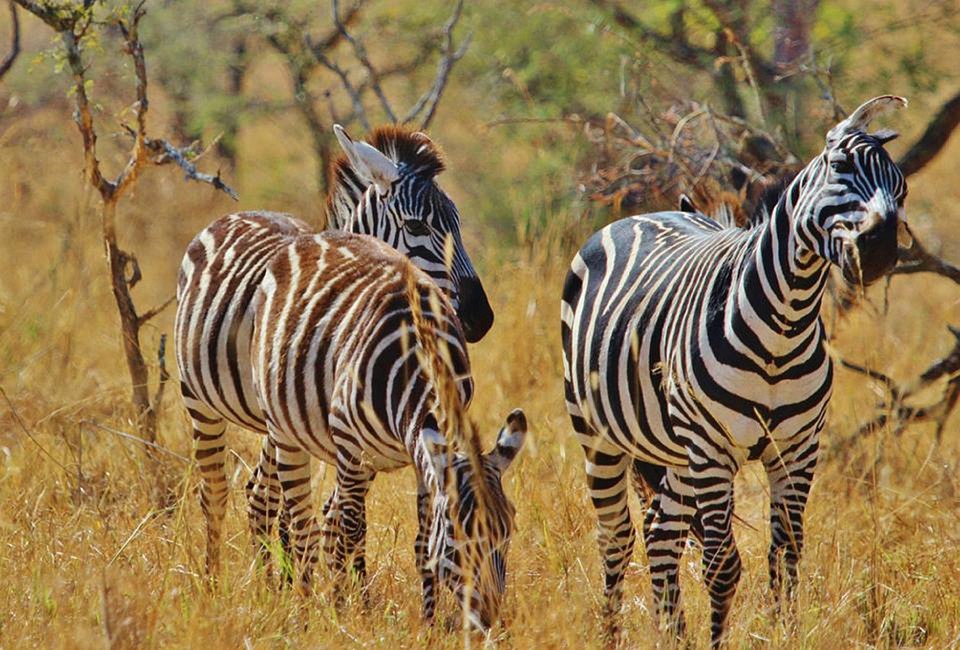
(87, 561)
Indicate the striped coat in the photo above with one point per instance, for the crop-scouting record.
(691, 348)
(339, 367)
(386, 189)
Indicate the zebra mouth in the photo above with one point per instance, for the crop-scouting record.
(872, 254)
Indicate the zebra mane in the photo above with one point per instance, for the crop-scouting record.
(412, 151)
(738, 210)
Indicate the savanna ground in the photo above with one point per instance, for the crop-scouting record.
(89, 559)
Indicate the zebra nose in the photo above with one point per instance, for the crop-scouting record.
(877, 247)
(474, 309)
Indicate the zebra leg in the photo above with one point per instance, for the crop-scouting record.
(264, 501)
(293, 468)
(665, 532)
(790, 473)
(428, 573)
(332, 545)
(353, 482)
(607, 483)
(712, 481)
(210, 453)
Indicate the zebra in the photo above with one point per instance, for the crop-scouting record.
(385, 188)
(337, 360)
(690, 348)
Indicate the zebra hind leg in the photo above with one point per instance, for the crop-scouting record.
(210, 454)
(353, 482)
(713, 485)
(666, 525)
(607, 484)
(790, 474)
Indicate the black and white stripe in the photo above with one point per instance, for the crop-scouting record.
(691, 348)
(338, 362)
(388, 192)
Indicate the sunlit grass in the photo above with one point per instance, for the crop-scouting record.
(87, 555)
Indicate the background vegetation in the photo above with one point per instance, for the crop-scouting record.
(92, 557)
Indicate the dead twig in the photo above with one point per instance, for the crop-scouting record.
(136, 439)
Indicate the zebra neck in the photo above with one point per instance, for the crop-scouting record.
(780, 286)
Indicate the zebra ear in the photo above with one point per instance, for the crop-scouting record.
(860, 119)
(510, 440)
(368, 161)
(885, 135)
(686, 204)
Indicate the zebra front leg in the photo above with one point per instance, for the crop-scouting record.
(607, 484)
(665, 532)
(293, 468)
(264, 501)
(790, 473)
(421, 547)
(210, 453)
(713, 485)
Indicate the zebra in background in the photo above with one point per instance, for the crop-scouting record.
(386, 189)
(691, 348)
(337, 358)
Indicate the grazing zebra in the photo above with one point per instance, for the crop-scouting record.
(386, 189)
(691, 348)
(339, 321)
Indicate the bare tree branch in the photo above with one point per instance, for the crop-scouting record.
(352, 91)
(14, 52)
(934, 137)
(151, 313)
(166, 152)
(361, 53)
(917, 259)
(449, 57)
(900, 414)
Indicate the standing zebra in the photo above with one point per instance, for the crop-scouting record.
(690, 349)
(386, 189)
(337, 358)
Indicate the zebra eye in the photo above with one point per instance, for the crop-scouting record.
(836, 166)
(417, 227)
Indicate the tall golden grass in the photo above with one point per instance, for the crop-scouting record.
(87, 559)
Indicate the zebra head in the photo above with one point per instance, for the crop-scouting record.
(387, 188)
(470, 532)
(855, 212)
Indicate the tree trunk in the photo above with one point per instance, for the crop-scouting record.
(146, 415)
